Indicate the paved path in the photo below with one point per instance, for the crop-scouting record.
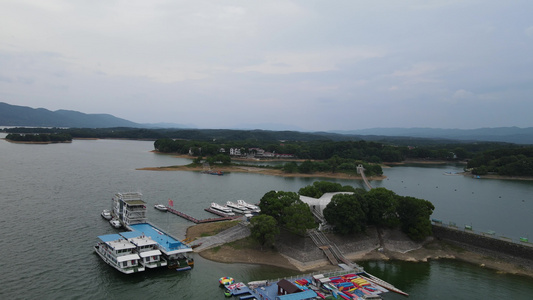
(234, 233)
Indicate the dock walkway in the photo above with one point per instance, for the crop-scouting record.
(197, 221)
(234, 233)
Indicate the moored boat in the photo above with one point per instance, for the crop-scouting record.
(223, 209)
(241, 209)
(117, 252)
(172, 250)
(129, 208)
(160, 207)
(115, 223)
(106, 214)
(253, 208)
(147, 248)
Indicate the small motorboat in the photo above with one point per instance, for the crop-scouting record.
(106, 214)
(115, 223)
(160, 207)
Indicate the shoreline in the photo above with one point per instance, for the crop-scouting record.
(396, 247)
(277, 172)
(264, 171)
(432, 251)
(37, 143)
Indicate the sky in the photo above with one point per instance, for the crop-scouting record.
(297, 65)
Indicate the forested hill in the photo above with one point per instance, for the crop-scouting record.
(212, 135)
(14, 115)
(513, 135)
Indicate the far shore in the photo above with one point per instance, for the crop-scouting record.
(278, 172)
(259, 170)
(37, 143)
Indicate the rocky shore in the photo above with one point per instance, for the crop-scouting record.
(300, 253)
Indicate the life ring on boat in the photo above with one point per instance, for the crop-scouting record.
(226, 280)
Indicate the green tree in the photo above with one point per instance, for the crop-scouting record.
(264, 230)
(274, 203)
(346, 213)
(382, 207)
(298, 218)
(288, 210)
(414, 217)
(306, 167)
(334, 162)
(290, 167)
(320, 187)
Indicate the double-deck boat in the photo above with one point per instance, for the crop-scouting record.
(241, 209)
(222, 209)
(147, 248)
(118, 252)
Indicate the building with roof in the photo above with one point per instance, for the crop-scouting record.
(318, 204)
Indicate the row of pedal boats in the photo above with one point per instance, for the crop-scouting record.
(241, 207)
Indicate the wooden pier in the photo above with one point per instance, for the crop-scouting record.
(197, 221)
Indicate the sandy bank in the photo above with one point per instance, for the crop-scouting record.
(258, 170)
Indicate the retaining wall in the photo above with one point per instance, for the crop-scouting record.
(488, 243)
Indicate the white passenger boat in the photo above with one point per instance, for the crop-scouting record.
(223, 209)
(241, 209)
(160, 207)
(115, 223)
(253, 208)
(117, 252)
(147, 248)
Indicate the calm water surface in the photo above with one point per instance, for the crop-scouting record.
(52, 195)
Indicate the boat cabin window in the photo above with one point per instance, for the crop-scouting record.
(125, 264)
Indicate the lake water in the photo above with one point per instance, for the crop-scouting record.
(52, 196)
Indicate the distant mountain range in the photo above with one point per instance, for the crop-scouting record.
(13, 115)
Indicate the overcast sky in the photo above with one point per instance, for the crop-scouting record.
(308, 65)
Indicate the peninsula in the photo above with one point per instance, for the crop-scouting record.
(294, 253)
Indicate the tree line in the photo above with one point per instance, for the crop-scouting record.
(350, 212)
(368, 151)
(516, 161)
(41, 138)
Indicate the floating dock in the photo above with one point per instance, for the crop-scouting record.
(341, 285)
(197, 221)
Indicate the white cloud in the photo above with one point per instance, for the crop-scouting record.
(161, 59)
(463, 94)
(310, 61)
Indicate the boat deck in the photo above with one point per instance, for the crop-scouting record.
(167, 242)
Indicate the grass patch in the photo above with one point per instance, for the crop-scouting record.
(209, 229)
(245, 243)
